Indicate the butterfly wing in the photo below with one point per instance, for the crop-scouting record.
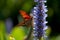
(24, 15)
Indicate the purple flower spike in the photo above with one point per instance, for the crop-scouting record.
(39, 19)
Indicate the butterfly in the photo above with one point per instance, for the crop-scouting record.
(27, 18)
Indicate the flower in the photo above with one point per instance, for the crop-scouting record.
(39, 19)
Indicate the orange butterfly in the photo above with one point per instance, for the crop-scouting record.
(27, 18)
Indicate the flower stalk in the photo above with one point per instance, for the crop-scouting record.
(39, 19)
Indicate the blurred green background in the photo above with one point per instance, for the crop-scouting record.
(10, 17)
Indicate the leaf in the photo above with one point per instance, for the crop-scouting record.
(18, 33)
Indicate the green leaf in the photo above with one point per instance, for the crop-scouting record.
(18, 33)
